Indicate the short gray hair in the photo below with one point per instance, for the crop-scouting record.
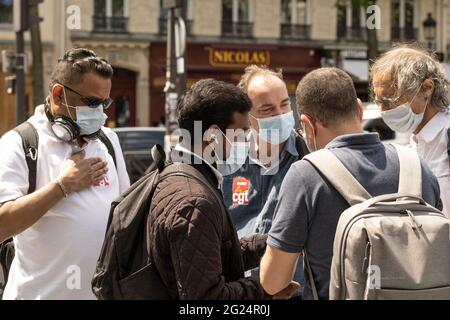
(409, 66)
(252, 71)
(328, 95)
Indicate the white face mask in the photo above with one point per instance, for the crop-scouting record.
(402, 119)
(310, 148)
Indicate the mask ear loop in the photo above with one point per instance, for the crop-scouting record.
(314, 133)
(66, 104)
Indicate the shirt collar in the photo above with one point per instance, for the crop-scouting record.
(433, 127)
(216, 172)
(354, 139)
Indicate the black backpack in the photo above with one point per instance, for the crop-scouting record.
(30, 143)
(125, 269)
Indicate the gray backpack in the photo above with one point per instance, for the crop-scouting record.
(392, 246)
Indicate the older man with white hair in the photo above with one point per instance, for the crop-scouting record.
(411, 88)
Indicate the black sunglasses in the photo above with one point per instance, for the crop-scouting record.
(91, 102)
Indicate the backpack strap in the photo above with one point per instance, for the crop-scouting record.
(30, 144)
(339, 176)
(105, 140)
(410, 181)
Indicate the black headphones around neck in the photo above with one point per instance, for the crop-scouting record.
(63, 127)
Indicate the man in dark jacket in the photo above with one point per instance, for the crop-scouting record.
(193, 242)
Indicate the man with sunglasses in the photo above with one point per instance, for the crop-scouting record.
(59, 226)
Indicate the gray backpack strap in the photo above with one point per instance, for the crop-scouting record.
(338, 175)
(410, 181)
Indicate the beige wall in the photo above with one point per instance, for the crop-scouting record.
(208, 17)
(87, 11)
(144, 15)
(384, 34)
(265, 18)
(324, 20)
(207, 14)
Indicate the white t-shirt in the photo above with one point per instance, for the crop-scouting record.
(431, 144)
(56, 257)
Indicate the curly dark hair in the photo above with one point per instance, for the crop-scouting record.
(75, 63)
(212, 102)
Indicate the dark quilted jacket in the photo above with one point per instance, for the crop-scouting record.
(195, 248)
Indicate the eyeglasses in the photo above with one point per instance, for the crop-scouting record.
(385, 103)
(91, 102)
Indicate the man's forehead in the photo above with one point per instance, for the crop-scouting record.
(262, 84)
(383, 80)
(95, 86)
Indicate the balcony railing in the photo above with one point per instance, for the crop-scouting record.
(110, 24)
(163, 26)
(403, 34)
(295, 31)
(352, 33)
(237, 29)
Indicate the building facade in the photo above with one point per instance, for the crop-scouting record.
(223, 37)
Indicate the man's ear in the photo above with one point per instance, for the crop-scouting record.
(360, 110)
(57, 95)
(428, 88)
(308, 121)
(212, 134)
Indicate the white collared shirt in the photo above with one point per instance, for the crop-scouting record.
(216, 172)
(431, 144)
(56, 257)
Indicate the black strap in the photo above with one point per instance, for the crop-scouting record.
(105, 140)
(30, 143)
(300, 145)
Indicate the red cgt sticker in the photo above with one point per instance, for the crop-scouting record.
(241, 187)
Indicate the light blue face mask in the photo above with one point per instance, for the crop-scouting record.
(276, 130)
(238, 156)
(89, 119)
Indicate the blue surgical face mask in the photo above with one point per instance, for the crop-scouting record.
(402, 119)
(89, 119)
(276, 130)
(238, 156)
